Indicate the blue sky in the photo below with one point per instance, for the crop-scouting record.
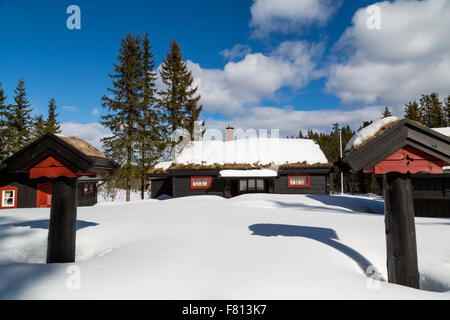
(295, 64)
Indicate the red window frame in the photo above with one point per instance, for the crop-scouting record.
(8, 188)
(308, 177)
(256, 185)
(201, 187)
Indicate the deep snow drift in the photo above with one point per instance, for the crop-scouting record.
(260, 246)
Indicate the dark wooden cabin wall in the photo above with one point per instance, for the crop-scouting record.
(181, 186)
(318, 186)
(432, 208)
(160, 187)
(86, 200)
(432, 196)
(27, 191)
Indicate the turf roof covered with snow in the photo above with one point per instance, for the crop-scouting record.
(368, 132)
(252, 151)
(445, 131)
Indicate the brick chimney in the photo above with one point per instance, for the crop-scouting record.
(230, 132)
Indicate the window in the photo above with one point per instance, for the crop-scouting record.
(8, 197)
(251, 185)
(88, 188)
(242, 185)
(200, 182)
(299, 181)
(260, 184)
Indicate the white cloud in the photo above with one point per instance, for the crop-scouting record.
(237, 52)
(69, 108)
(408, 56)
(90, 132)
(95, 112)
(256, 76)
(289, 15)
(290, 121)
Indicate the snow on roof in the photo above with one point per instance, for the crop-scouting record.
(263, 151)
(445, 131)
(249, 173)
(164, 165)
(368, 132)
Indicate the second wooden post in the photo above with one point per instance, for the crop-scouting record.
(401, 244)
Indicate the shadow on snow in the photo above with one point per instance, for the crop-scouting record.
(322, 235)
(44, 224)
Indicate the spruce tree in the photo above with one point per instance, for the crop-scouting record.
(38, 127)
(3, 124)
(447, 111)
(191, 122)
(438, 118)
(51, 125)
(149, 137)
(123, 105)
(412, 111)
(20, 121)
(386, 113)
(431, 111)
(179, 99)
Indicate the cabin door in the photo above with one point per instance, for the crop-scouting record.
(44, 195)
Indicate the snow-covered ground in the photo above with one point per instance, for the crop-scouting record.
(260, 246)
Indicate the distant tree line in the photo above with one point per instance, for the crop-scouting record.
(142, 118)
(18, 127)
(429, 111)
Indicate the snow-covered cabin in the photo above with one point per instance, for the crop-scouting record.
(27, 177)
(238, 166)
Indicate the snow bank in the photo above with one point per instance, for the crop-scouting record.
(253, 150)
(251, 247)
(368, 132)
(249, 173)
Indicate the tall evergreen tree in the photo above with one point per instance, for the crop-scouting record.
(51, 125)
(20, 121)
(412, 111)
(179, 99)
(38, 129)
(386, 113)
(124, 108)
(3, 124)
(432, 111)
(191, 122)
(150, 132)
(447, 111)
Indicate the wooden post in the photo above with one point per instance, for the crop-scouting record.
(63, 218)
(402, 263)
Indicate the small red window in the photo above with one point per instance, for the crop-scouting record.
(299, 181)
(200, 182)
(8, 197)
